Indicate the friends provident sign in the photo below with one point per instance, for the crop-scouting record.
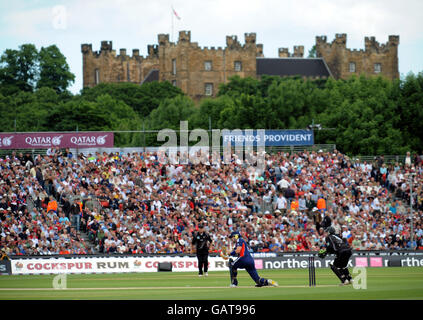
(268, 137)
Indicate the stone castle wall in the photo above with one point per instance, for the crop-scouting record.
(184, 63)
(106, 66)
(190, 60)
(338, 57)
(186, 57)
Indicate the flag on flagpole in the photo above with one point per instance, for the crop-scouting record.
(176, 15)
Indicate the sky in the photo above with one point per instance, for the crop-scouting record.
(134, 24)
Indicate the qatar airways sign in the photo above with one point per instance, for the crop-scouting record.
(51, 139)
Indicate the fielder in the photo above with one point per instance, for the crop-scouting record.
(338, 246)
(245, 261)
(201, 239)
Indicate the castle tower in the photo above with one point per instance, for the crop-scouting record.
(199, 71)
(376, 59)
(106, 66)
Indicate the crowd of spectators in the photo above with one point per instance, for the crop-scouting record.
(133, 203)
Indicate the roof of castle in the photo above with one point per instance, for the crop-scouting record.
(153, 75)
(307, 67)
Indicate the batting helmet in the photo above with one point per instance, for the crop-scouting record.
(330, 230)
(235, 234)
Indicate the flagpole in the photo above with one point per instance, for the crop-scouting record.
(171, 13)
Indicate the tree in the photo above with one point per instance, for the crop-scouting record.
(312, 52)
(169, 114)
(411, 111)
(210, 110)
(104, 114)
(364, 113)
(34, 113)
(238, 85)
(81, 115)
(19, 69)
(6, 109)
(27, 69)
(141, 98)
(245, 112)
(54, 70)
(154, 93)
(293, 103)
(122, 118)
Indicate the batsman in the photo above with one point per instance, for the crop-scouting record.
(340, 247)
(245, 261)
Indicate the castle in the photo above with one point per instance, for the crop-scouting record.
(198, 71)
(374, 59)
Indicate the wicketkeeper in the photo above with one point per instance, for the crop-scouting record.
(245, 261)
(340, 247)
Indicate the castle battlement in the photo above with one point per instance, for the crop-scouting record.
(283, 53)
(107, 48)
(356, 51)
(86, 48)
(250, 38)
(321, 39)
(210, 49)
(163, 39)
(393, 40)
(375, 59)
(298, 52)
(232, 42)
(188, 65)
(370, 43)
(340, 38)
(152, 50)
(184, 37)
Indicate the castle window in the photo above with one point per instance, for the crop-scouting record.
(173, 66)
(207, 65)
(208, 89)
(378, 67)
(97, 76)
(238, 66)
(352, 66)
(128, 77)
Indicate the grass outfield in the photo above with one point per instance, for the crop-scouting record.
(383, 283)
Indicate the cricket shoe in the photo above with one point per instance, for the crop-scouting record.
(234, 285)
(206, 274)
(272, 283)
(346, 282)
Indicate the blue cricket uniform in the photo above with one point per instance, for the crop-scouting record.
(246, 261)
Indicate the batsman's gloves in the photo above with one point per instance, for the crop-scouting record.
(322, 253)
(224, 253)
